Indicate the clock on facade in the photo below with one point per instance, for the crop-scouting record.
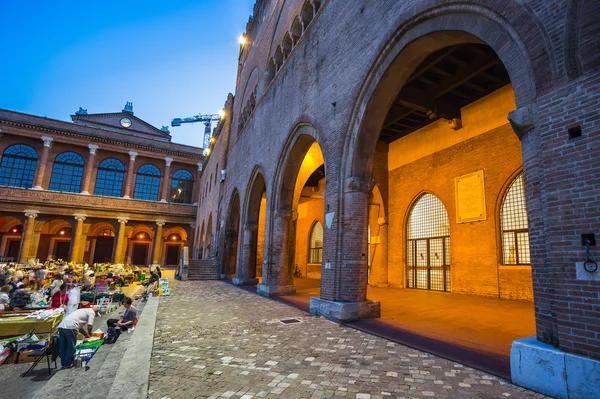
(125, 122)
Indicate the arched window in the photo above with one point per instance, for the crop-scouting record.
(18, 166)
(428, 245)
(315, 254)
(147, 183)
(67, 172)
(109, 181)
(182, 185)
(514, 225)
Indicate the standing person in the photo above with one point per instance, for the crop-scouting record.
(40, 276)
(4, 298)
(74, 299)
(81, 320)
(60, 297)
(157, 271)
(56, 283)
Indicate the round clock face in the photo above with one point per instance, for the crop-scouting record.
(125, 122)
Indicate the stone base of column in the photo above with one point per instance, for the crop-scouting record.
(163, 200)
(37, 188)
(126, 197)
(84, 193)
(344, 312)
(227, 276)
(545, 369)
(244, 281)
(275, 290)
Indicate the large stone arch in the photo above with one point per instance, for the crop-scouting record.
(232, 230)
(278, 274)
(208, 238)
(257, 187)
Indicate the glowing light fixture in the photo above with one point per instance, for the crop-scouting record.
(222, 113)
(207, 151)
(173, 237)
(141, 235)
(62, 232)
(243, 40)
(14, 230)
(212, 140)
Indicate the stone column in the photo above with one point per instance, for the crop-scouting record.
(246, 275)
(130, 171)
(42, 163)
(166, 180)
(196, 191)
(87, 176)
(278, 276)
(27, 235)
(158, 243)
(76, 253)
(346, 300)
(379, 248)
(120, 249)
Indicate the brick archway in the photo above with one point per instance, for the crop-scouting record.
(253, 219)
(232, 228)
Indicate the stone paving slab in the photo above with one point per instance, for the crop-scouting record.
(214, 340)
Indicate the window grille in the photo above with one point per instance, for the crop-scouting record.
(17, 168)
(67, 172)
(315, 254)
(147, 183)
(182, 185)
(428, 245)
(109, 181)
(514, 225)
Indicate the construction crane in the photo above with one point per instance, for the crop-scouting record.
(207, 119)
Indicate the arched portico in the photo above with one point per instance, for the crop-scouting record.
(254, 217)
(231, 237)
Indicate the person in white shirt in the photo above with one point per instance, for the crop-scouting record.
(81, 320)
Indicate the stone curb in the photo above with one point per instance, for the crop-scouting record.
(132, 377)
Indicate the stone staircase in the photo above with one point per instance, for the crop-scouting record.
(203, 269)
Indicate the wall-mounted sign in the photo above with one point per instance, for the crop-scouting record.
(470, 197)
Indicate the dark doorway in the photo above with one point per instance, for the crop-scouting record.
(140, 252)
(13, 249)
(172, 255)
(62, 250)
(104, 249)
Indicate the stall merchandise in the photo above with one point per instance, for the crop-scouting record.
(23, 322)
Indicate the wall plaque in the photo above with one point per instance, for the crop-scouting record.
(470, 197)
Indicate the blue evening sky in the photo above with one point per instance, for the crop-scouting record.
(171, 58)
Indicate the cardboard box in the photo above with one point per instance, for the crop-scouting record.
(26, 357)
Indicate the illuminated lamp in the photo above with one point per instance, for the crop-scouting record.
(243, 40)
(173, 237)
(212, 140)
(14, 230)
(105, 233)
(62, 232)
(141, 235)
(222, 113)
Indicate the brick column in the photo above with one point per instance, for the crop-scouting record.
(278, 274)
(27, 235)
(196, 190)
(246, 274)
(166, 180)
(158, 243)
(76, 253)
(345, 298)
(42, 163)
(120, 249)
(130, 170)
(87, 176)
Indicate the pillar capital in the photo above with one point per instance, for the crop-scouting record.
(523, 119)
(93, 148)
(382, 221)
(32, 213)
(357, 184)
(251, 226)
(79, 217)
(47, 140)
(283, 214)
(123, 221)
(168, 161)
(132, 155)
(200, 166)
(160, 222)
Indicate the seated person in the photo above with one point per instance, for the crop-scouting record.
(60, 297)
(4, 298)
(127, 320)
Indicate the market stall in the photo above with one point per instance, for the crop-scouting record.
(23, 322)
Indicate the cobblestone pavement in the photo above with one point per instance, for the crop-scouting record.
(213, 340)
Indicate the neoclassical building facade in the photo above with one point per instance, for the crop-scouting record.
(104, 188)
(432, 145)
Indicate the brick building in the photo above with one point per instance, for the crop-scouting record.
(393, 143)
(105, 188)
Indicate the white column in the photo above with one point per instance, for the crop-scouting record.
(129, 182)
(87, 176)
(41, 166)
(166, 180)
